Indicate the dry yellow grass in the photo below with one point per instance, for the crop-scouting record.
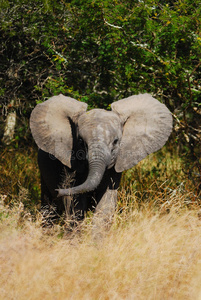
(146, 255)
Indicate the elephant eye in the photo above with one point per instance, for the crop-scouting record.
(115, 142)
(80, 141)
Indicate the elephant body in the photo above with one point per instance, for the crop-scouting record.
(55, 174)
(83, 153)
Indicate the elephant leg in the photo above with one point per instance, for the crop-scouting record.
(104, 213)
(46, 197)
(80, 207)
(47, 211)
(75, 210)
(51, 207)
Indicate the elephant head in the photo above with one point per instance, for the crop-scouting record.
(136, 126)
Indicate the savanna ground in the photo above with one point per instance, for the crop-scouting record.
(152, 251)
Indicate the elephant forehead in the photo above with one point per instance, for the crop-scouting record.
(99, 116)
(99, 122)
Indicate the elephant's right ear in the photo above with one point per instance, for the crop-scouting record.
(51, 128)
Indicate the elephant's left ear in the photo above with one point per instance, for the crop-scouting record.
(147, 126)
(50, 124)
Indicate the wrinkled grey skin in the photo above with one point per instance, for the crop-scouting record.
(94, 148)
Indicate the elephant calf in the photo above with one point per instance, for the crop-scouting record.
(83, 153)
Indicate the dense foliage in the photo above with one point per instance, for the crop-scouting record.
(101, 51)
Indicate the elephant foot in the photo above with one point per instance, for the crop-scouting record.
(100, 227)
(49, 216)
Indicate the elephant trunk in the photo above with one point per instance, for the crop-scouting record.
(98, 162)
